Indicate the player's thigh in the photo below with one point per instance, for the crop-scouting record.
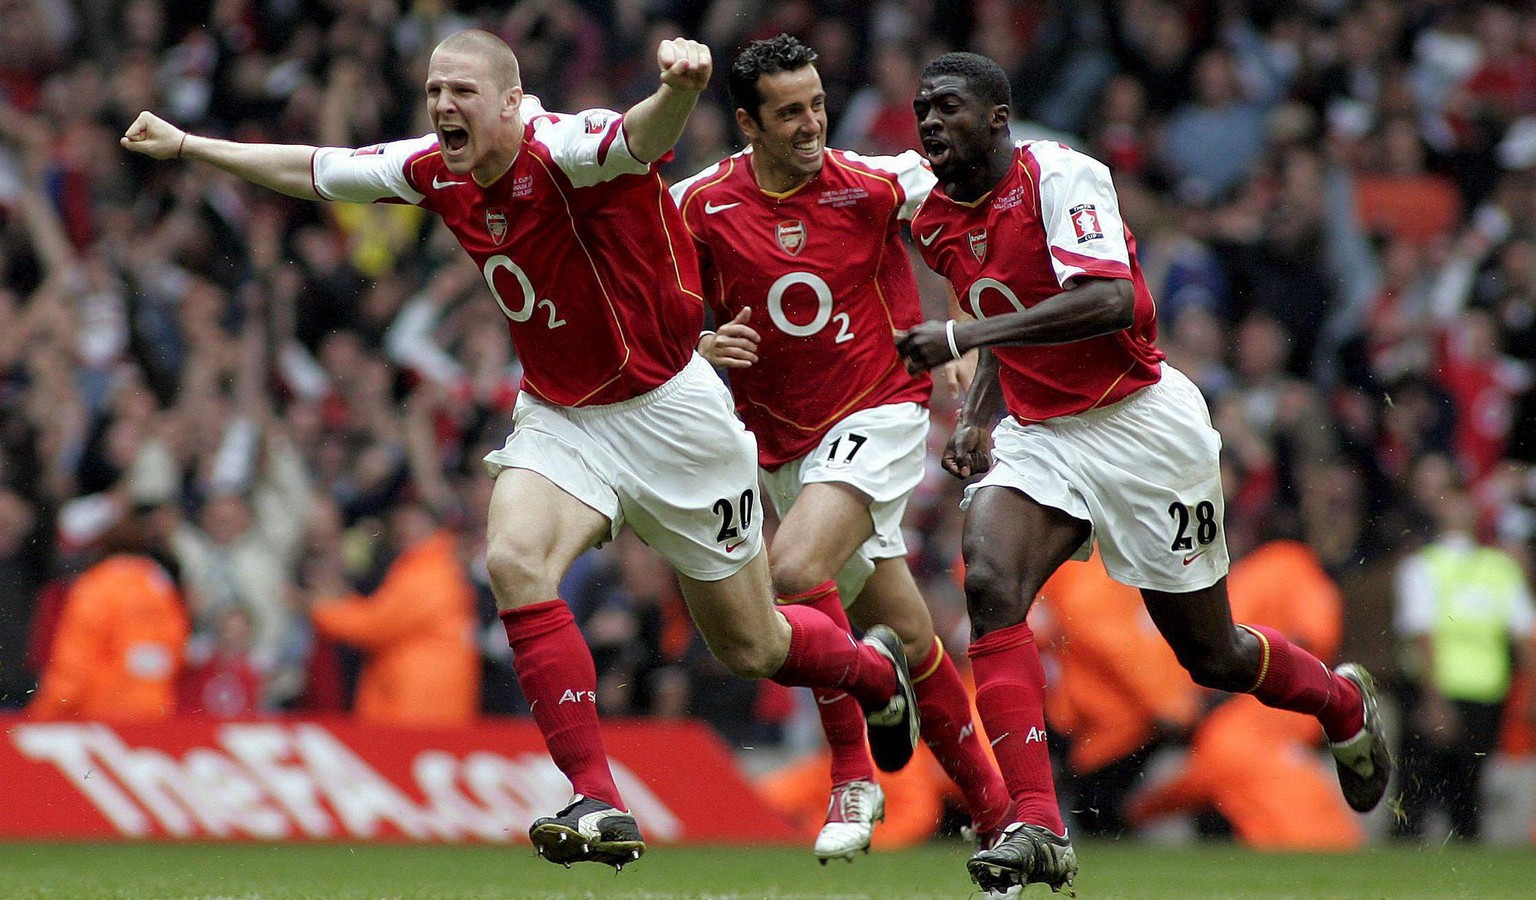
(736, 616)
(534, 531)
(1012, 544)
(1196, 624)
(854, 484)
(891, 597)
(687, 475)
(826, 525)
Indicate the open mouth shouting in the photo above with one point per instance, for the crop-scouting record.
(937, 150)
(453, 138)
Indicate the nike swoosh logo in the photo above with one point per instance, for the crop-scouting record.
(439, 184)
(1191, 558)
(710, 208)
(731, 548)
(928, 239)
(828, 701)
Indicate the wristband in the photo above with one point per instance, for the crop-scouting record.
(949, 332)
(182, 145)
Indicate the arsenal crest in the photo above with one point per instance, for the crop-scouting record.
(791, 235)
(978, 241)
(496, 223)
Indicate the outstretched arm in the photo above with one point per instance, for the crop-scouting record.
(654, 124)
(1094, 307)
(285, 168)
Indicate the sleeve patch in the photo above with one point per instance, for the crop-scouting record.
(375, 150)
(1085, 221)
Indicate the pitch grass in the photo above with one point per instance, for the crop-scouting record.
(1110, 870)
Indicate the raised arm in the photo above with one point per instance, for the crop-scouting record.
(285, 168)
(654, 124)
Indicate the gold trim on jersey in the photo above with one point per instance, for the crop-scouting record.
(835, 416)
(661, 213)
(618, 323)
(1112, 384)
(694, 194)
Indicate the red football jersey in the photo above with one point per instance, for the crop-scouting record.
(579, 241)
(1052, 219)
(826, 274)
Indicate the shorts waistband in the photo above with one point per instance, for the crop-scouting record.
(669, 387)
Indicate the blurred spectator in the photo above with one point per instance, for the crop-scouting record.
(221, 678)
(416, 629)
(1463, 611)
(118, 646)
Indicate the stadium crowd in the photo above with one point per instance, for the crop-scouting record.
(1335, 205)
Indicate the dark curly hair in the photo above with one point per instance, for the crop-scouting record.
(767, 57)
(985, 78)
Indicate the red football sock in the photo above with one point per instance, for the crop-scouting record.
(841, 718)
(554, 668)
(1291, 678)
(947, 730)
(822, 655)
(1010, 696)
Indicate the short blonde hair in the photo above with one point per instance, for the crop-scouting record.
(489, 47)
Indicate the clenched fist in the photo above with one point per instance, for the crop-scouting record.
(153, 136)
(685, 64)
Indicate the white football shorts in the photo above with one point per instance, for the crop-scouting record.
(675, 464)
(1144, 472)
(878, 452)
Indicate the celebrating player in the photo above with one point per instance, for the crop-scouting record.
(804, 262)
(1103, 440)
(618, 419)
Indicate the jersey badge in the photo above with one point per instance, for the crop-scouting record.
(791, 235)
(1085, 219)
(978, 241)
(596, 123)
(496, 223)
(375, 150)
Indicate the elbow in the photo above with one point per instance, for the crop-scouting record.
(1120, 305)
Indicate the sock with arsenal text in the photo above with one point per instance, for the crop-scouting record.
(947, 729)
(554, 668)
(1010, 696)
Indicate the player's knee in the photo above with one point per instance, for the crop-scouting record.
(518, 577)
(994, 596)
(796, 571)
(747, 659)
(1218, 667)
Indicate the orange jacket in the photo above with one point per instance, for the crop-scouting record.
(418, 632)
(1259, 768)
(1282, 585)
(118, 646)
(1118, 678)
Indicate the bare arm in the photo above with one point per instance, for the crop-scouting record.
(281, 167)
(969, 451)
(654, 124)
(1094, 307)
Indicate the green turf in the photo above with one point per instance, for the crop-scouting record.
(1139, 871)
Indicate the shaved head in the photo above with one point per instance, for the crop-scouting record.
(489, 47)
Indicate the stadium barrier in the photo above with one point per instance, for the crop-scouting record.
(330, 779)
